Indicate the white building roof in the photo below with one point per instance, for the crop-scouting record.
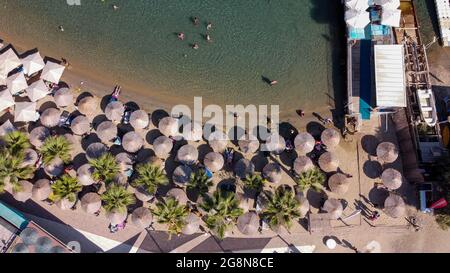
(390, 76)
(443, 14)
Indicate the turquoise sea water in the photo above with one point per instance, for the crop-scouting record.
(291, 41)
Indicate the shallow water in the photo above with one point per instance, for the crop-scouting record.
(290, 41)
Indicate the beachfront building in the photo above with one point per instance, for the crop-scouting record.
(443, 14)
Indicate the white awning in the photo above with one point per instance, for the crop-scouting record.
(6, 100)
(390, 76)
(33, 63)
(357, 4)
(37, 90)
(16, 83)
(8, 62)
(390, 4)
(357, 18)
(25, 112)
(391, 17)
(52, 72)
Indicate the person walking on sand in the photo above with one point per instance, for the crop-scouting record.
(61, 28)
(300, 112)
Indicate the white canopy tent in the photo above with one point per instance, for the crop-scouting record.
(391, 17)
(388, 4)
(32, 63)
(37, 90)
(8, 62)
(16, 83)
(357, 4)
(390, 76)
(356, 18)
(6, 100)
(25, 112)
(52, 72)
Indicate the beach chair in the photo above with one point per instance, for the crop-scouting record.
(65, 120)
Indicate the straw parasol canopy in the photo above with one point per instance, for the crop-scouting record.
(329, 162)
(114, 111)
(33, 63)
(142, 217)
(162, 146)
(192, 224)
(58, 249)
(179, 195)
(394, 206)
(25, 112)
(80, 125)
(96, 150)
(88, 106)
(63, 97)
(38, 136)
(330, 138)
(50, 117)
(303, 204)
(245, 201)
(248, 223)
(52, 72)
(214, 161)
(41, 189)
(25, 192)
(30, 159)
(187, 154)
(124, 161)
(20, 248)
(6, 100)
(142, 195)
(338, 183)
(37, 90)
(168, 126)
(391, 178)
(55, 168)
(218, 141)
(334, 208)
(304, 143)
(132, 142)
(91, 202)
(248, 145)
(193, 131)
(303, 164)
(244, 167)
(106, 131)
(272, 172)
(6, 128)
(43, 245)
(181, 175)
(29, 236)
(387, 152)
(139, 119)
(84, 175)
(116, 217)
(65, 204)
(275, 143)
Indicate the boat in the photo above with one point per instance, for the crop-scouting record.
(427, 104)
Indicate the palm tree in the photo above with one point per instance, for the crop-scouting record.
(313, 178)
(56, 146)
(223, 210)
(66, 187)
(12, 170)
(105, 168)
(254, 182)
(16, 142)
(282, 208)
(200, 181)
(117, 198)
(171, 213)
(150, 177)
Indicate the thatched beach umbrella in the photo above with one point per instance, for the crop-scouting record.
(245, 201)
(330, 138)
(88, 106)
(106, 131)
(116, 217)
(114, 111)
(244, 167)
(58, 249)
(25, 112)
(91, 202)
(29, 236)
(63, 97)
(391, 178)
(43, 245)
(248, 223)
(168, 126)
(304, 143)
(275, 143)
(187, 154)
(192, 224)
(125, 162)
(41, 189)
(52, 72)
(38, 135)
(84, 175)
(142, 195)
(37, 90)
(33, 63)
(334, 208)
(303, 204)
(214, 161)
(387, 152)
(71, 138)
(394, 206)
(96, 150)
(272, 172)
(132, 142)
(303, 164)
(179, 195)
(193, 131)
(248, 144)
(338, 183)
(80, 125)
(142, 217)
(20, 248)
(65, 204)
(25, 192)
(30, 158)
(218, 141)
(329, 162)
(55, 168)
(162, 146)
(50, 117)
(139, 119)
(121, 180)
(181, 175)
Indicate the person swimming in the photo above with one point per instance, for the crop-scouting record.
(181, 36)
(195, 46)
(196, 21)
(272, 83)
(61, 28)
(209, 26)
(208, 38)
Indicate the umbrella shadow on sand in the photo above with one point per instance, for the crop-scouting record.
(372, 169)
(157, 115)
(152, 135)
(369, 144)
(47, 105)
(315, 129)
(97, 120)
(82, 96)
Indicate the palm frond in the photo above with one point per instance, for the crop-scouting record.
(150, 177)
(105, 167)
(171, 213)
(66, 187)
(282, 208)
(117, 198)
(200, 181)
(56, 146)
(313, 178)
(16, 142)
